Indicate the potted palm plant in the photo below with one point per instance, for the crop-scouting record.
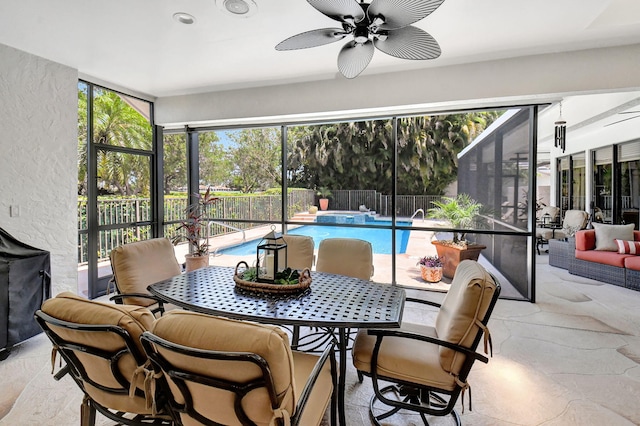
(324, 193)
(461, 212)
(193, 232)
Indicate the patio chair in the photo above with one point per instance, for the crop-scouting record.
(345, 256)
(137, 265)
(428, 366)
(299, 251)
(351, 257)
(574, 220)
(226, 372)
(100, 344)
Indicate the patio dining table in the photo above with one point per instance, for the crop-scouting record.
(332, 301)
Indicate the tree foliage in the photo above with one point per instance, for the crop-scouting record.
(256, 159)
(115, 122)
(358, 155)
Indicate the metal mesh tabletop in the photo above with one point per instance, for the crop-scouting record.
(331, 301)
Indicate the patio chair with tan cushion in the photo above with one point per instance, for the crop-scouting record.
(100, 343)
(346, 256)
(351, 257)
(137, 265)
(299, 251)
(574, 220)
(428, 365)
(229, 372)
(549, 215)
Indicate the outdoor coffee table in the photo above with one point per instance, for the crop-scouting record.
(332, 301)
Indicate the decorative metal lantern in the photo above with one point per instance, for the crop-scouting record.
(273, 251)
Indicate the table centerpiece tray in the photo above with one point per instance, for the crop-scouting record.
(239, 277)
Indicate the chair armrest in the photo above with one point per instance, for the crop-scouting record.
(424, 302)
(119, 297)
(380, 334)
(327, 355)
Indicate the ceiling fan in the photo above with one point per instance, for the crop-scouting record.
(383, 24)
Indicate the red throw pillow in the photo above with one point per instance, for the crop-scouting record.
(628, 247)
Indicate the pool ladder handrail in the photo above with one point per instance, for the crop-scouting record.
(416, 212)
(215, 222)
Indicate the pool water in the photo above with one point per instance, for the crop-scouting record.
(380, 239)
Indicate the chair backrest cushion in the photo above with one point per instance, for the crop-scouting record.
(137, 265)
(466, 303)
(207, 332)
(552, 212)
(134, 319)
(299, 251)
(346, 256)
(575, 220)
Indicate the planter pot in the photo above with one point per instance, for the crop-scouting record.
(313, 210)
(324, 203)
(431, 274)
(196, 262)
(453, 255)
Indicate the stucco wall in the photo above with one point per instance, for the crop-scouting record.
(38, 151)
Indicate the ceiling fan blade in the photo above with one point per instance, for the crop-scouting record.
(400, 13)
(409, 43)
(339, 9)
(312, 39)
(354, 58)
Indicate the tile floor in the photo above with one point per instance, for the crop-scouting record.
(570, 359)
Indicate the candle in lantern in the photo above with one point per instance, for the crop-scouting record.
(270, 273)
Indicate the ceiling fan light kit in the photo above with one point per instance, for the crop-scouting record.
(382, 24)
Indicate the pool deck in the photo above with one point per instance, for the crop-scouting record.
(407, 273)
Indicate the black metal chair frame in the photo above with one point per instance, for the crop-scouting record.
(119, 297)
(424, 400)
(75, 367)
(180, 377)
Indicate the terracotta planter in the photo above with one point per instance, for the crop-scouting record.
(324, 203)
(431, 274)
(453, 255)
(196, 262)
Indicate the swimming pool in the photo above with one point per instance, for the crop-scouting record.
(380, 239)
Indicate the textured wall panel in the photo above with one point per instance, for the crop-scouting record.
(38, 151)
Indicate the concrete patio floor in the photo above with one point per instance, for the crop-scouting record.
(572, 358)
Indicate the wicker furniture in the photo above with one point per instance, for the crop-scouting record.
(610, 267)
(559, 253)
(332, 301)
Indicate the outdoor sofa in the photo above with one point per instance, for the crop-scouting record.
(608, 253)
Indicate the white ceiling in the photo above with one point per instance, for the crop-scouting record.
(138, 46)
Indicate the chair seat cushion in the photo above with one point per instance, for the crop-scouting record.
(320, 397)
(404, 359)
(550, 233)
(603, 257)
